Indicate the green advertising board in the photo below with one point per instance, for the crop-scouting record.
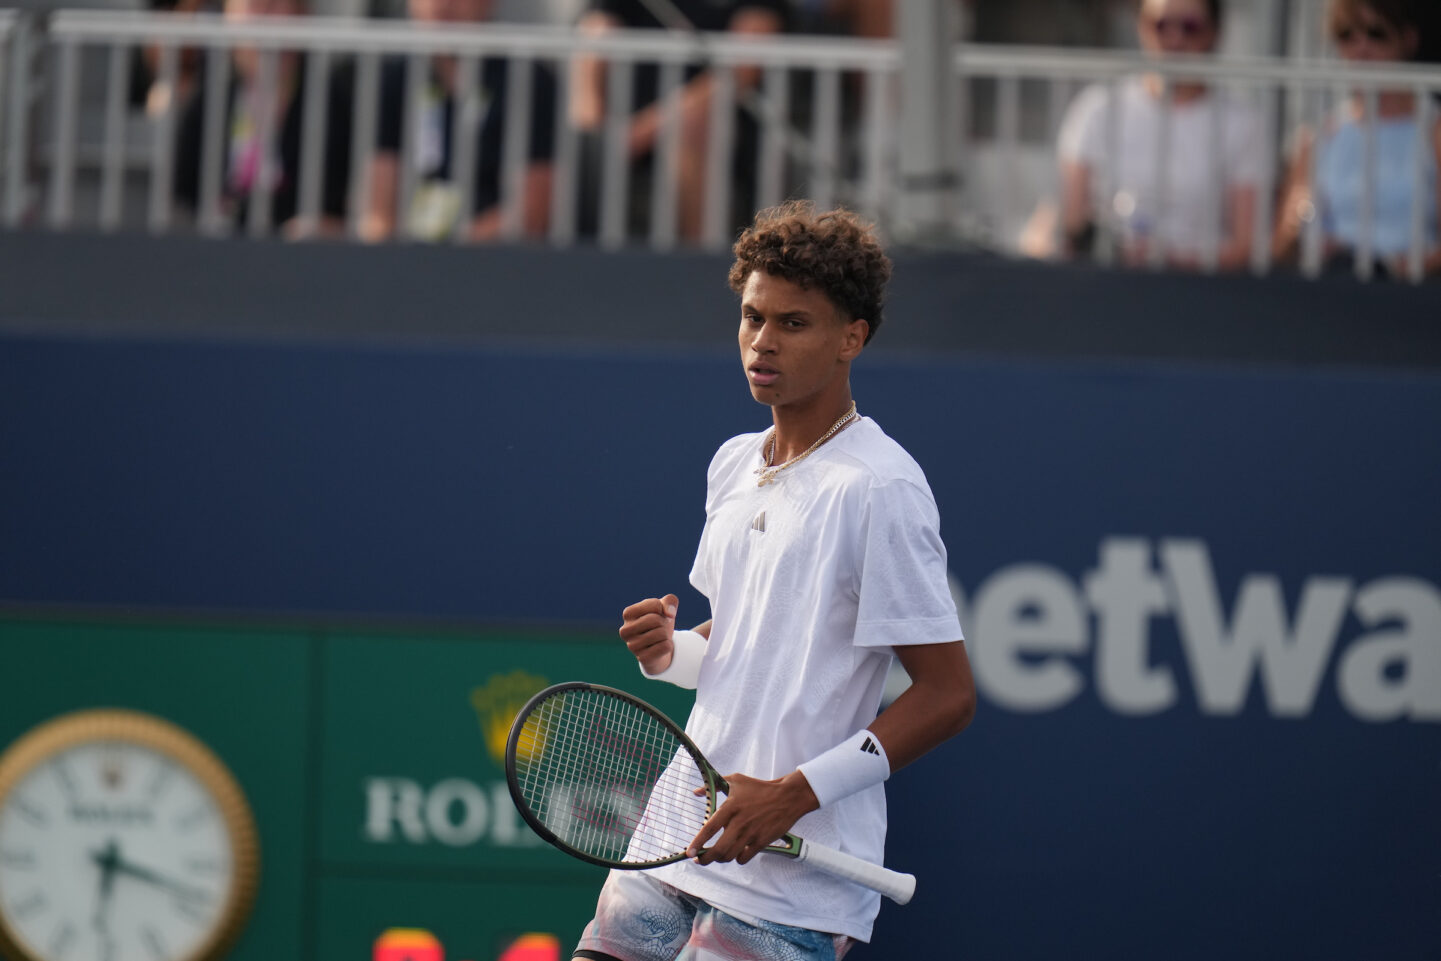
(372, 761)
(419, 829)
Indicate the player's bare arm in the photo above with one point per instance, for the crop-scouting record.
(937, 706)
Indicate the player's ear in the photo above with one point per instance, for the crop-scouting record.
(853, 338)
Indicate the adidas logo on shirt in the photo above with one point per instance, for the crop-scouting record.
(870, 747)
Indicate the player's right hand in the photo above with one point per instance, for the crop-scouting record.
(648, 629)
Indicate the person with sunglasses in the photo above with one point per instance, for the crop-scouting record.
(1358, 175)
(1156, 162)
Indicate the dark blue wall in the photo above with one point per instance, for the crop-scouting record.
(479, 482)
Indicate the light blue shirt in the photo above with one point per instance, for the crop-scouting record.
(1340, 185)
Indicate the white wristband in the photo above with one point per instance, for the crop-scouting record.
(853, 765)
(684, 669)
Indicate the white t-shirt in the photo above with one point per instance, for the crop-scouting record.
(811, 581)
(1216, 129)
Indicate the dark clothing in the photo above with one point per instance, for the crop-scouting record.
(704, 15)
(700, 14)
(335, 163)
(491, 129)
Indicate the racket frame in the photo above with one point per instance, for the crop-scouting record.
(715, 784)
(893, 884)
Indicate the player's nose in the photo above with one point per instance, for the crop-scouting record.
(763, 339)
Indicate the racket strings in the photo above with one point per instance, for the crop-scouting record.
(609, 779)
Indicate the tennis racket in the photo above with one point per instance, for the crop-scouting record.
(609, 779)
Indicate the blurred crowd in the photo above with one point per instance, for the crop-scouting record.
(1224, 172)
(1217, 154)
(438, 206)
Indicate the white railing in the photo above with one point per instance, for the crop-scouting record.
(807, 144)
(367, 42)
(17, 53)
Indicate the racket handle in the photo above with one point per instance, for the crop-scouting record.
(893, 884)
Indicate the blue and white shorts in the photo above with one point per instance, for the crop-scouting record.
(639, 918)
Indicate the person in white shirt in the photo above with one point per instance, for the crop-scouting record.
(1176, 169)
(822, 561)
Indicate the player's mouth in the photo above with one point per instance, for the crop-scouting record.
(763, 376)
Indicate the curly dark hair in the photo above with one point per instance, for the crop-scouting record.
(833, 250)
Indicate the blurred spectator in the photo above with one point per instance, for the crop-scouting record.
(866, 19)
(1215, 157)
(244, 166)
(856, 18)
(561, 13)
(146, 87)
(434, 208)
(588, 103)
(1367, 31)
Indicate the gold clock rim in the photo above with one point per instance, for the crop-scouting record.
(170, 739)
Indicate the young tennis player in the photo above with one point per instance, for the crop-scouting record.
(822, 559)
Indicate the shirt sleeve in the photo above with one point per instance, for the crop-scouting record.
(1082, 134)
(701, 574)
(905, 595)
(1245, 147)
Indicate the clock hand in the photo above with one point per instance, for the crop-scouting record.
(139, 873)
(108, 861)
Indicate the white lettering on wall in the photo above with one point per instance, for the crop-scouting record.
(392, 803)
(1030, 629)
(1030, 615)
(1411, 647)
(457, 812)
(454, 812)
(1224, 658)
(1125, 594)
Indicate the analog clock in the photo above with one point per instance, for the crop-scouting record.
(122, 838)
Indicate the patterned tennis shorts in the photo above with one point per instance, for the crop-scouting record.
(639, 918)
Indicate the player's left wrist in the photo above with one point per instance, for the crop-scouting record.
(854, 765)
(802, 795)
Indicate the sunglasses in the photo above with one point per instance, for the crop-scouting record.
(1376, 33)
(1187, 28)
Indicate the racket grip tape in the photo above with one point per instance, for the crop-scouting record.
(893, 884)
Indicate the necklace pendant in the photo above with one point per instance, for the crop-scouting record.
(768, 473)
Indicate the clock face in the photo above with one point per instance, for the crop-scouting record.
(114, 850)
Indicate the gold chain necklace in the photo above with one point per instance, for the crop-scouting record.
(767, 473)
